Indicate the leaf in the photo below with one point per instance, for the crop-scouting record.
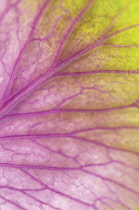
(69, 105)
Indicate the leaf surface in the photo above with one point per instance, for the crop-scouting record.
(69, 105)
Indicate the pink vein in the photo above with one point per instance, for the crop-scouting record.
(9, 86)
(71, 28)
(95, 45)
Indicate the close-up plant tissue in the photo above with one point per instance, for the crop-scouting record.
(69, 105)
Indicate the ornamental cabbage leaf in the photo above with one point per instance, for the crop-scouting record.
(69, 105)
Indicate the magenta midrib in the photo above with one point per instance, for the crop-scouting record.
(18, 96)
(15, 99)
